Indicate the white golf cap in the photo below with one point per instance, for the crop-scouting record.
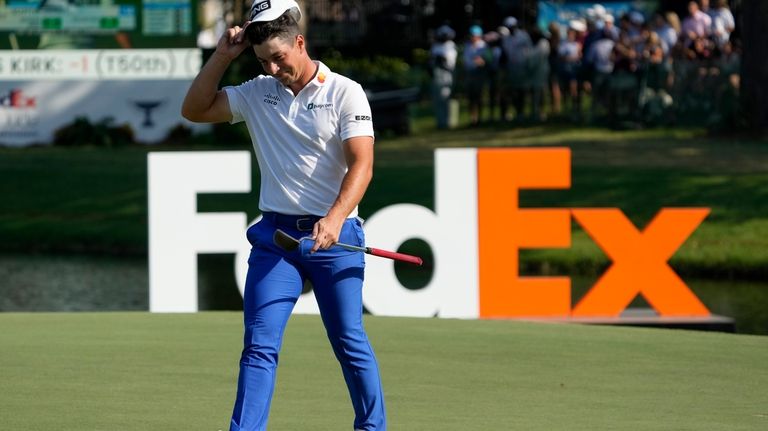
(599, 10)
(577, 25)
(510, 21)
(269, 10)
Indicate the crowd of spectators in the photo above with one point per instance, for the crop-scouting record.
(635, 67)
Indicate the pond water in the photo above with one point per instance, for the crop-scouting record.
(88, 283)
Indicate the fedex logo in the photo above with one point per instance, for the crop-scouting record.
(15, 98)
(476, 233)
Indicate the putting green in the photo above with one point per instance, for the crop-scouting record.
(139, 371)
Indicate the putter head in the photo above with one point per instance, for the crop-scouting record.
(285, 241)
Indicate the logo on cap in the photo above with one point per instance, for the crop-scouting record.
(260, 7)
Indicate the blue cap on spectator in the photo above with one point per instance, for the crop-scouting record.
(475, 30)
(445, 32)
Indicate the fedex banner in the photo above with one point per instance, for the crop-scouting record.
(43, 91)
(476, 232)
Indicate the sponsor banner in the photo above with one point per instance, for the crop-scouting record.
(32, 111)
(43, 91)
(100, 64)
(476, 232)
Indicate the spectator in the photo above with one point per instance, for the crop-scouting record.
(624, 88)
(442, 57)
(609, 27)
(636, 19)
(697, 24)
(537, 63)
(667, 34)
(674, 21)
(729, 62)
(600, 55)
(628, 26)
(641, 41)
(586, 70)
(515, 47)
(699, 50)
(654, 99)
(723, 23)
(569, 56)
(493, 39)
(554, 79)
(727, 97)
(476, 57)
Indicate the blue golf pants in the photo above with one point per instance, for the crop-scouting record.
(273, 285)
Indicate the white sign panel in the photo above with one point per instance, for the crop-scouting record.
(178, 233)
(100, 64)
(43, 91)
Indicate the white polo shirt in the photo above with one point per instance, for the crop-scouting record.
(298, 140)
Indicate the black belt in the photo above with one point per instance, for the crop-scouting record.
(304, 223)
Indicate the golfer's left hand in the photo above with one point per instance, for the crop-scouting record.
(326, 233)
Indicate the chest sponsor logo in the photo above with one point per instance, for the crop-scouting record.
(271, 99)
(313, 106)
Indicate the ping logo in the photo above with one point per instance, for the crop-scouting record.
(363, 117)
(260, 7)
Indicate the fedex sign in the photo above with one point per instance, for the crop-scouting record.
(476, 232)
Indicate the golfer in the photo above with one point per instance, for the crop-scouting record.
(312, 133)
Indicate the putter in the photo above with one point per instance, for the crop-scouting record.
(289, 243)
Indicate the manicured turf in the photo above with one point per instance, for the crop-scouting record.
(137, 371)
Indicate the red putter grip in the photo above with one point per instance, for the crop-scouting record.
(396, 256)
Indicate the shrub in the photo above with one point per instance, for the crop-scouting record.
(375, 73)
(102, 134)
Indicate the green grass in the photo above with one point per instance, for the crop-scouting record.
(139, 371)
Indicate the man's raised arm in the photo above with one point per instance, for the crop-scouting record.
(204, 102)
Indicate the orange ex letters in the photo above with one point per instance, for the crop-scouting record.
(639, 257)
